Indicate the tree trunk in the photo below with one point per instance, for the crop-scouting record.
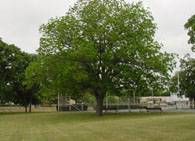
(30, 103)
(193, 103)
(30, 108)
(26, 108)
(99, 102)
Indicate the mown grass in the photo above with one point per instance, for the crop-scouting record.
(89, 127)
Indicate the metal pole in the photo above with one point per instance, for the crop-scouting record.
(70, 106)
(82, 105)
(82, 108)
(129, 106)
(58, 102)
(152, 96)
(178, 88)
(106, 101)
(178, 84)
(134, 97)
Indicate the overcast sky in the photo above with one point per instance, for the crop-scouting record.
(21, 19)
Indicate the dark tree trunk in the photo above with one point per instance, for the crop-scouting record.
(99, 102)
(193, 103)
(30, 104)
(30, 108)
(26, 108)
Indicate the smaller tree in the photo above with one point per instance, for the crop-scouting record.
(10, 57)
(23, 95)
(51, 75)
(13, 63)
(186, 84)
(188, 75)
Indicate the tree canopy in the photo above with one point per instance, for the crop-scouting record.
(101, 46)
(186, 77)
(10, 68)
(190, 26)
(13, 63)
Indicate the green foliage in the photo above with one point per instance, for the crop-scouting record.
(11, 67)
(190, 26)
(53, 76)
(13, 63)
(186, 75)
(102, 46)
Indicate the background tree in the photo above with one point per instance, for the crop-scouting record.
(186, 83)
(9, 56)
(187, 75)
(13, 63)
(49, 73)
(190, 26)
(103, 46)
(188, 64)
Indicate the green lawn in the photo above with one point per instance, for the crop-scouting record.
(88, 127)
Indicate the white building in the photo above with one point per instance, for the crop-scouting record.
(169, 100)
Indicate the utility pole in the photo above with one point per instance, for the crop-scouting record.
(178, 87)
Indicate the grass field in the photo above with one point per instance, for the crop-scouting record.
(88, 127)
